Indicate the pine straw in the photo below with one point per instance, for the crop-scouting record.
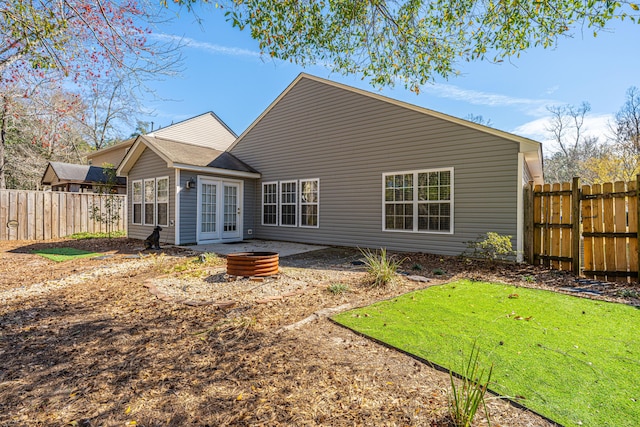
(108, 353)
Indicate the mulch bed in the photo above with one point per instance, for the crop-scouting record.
(107, 352)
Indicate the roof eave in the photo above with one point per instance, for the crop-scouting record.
(218, 171)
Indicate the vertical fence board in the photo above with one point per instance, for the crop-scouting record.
(576, 225)
(598, 227)
(62, 211)
(587, 227)
(46, 204)
(546, 219)
(55, 215)
(13, 216)
(537, 219)
(555, 232)
(633, 227)
(31, 217)
(4, 215)
(608, 227)
(528, 223)
(620, 226)
(42, 215)
(566, 233)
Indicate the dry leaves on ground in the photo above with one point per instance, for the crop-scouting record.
(105, 351)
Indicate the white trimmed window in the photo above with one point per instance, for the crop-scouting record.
(269, 203)
(309, 200)
(149, 201)
(136, 196)
(288, 203)
(418, 201)
(162, 200)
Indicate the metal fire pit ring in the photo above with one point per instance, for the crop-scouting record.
(257, 264)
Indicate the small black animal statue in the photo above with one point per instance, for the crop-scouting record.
(153, 241)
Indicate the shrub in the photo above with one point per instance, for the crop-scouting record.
(338, 288)
(466, 398)
(381, 268)
(438, 271)
(491, 246)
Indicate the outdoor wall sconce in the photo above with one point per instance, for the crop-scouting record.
(191, 183)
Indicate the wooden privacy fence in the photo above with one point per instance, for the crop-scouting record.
(590, 229)
(43, 215)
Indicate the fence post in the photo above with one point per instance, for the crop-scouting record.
(638, 222)
(575, 226)
(528, 223)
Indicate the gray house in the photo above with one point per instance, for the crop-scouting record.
(330, 164)
(182, 179)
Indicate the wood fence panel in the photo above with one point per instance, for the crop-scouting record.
(13, 215)
(632, 205)
(4, 215)
(546, 219)
(587, 227)
(566, 232)
(62, 209)
(555, 231)
(598, 227)
(537, 219)
(55, 215)
(608, 228)
(38, 215)
(31, 218)
(620, 226)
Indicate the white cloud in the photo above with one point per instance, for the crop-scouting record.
(531, 107)
(594, 125)
(209, 47)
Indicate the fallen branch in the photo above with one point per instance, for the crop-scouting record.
(325, 312)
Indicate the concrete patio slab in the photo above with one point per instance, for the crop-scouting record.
(282, 248)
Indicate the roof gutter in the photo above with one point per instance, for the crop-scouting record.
(218, 171)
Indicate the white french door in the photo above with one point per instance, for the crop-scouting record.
(231, 209)
(219, 215)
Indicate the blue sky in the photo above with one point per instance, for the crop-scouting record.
(224, 73)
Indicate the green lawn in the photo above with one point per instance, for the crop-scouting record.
(574, 360)
(64, 254)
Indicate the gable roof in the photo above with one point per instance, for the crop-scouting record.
(206, 130)
(182, 155)
(120, 146)
(532, 150)
(70, 172)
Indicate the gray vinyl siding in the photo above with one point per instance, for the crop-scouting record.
(189, 208)
(349, 140)
(149, 165)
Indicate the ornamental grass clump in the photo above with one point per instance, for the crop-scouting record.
(465, 398)
(381, 267)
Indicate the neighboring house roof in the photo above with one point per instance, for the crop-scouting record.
(206, 130)
(112, 154)
(532, 150)
(57, 172)
(182, 155)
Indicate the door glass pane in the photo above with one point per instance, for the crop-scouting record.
(208, 208)
(230, 208)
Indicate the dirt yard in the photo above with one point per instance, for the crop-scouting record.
(163, 340)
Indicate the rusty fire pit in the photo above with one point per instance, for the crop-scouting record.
(258, 264)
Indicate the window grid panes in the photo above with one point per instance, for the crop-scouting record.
(162, 200)
(399, 189)
(149, 201)
(230, 208)
(424, 207)
(208, 204)
(309, 199)
(270, 203)
(288, 203)
(136, 194)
